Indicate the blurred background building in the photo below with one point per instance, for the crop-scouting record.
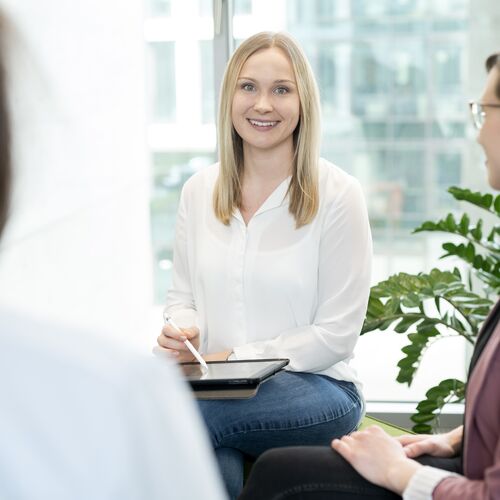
(395, 77)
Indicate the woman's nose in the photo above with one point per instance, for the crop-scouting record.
(263, 104)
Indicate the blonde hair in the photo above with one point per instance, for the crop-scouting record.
(303, 189)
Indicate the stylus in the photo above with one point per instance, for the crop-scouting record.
(169, 321)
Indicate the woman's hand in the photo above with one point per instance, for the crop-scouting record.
(378, 457)
(437, 445)
(172, 342)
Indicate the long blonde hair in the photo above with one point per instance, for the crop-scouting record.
(303, 189)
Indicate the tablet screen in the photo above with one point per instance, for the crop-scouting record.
(232, 372)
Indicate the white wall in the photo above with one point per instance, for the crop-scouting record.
(78, 245)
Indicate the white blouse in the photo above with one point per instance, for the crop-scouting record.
(268, 290)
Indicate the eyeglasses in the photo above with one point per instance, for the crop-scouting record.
(478, 113)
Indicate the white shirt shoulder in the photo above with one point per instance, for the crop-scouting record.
(335, 183)
(88, 419)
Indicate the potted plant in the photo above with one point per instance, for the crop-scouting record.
(429, 306)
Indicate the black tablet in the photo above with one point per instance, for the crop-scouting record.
(231, 374)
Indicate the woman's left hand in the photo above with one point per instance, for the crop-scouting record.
(378, 457)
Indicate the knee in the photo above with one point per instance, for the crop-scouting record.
(272, 461)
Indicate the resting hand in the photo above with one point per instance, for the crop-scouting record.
(378, 457)
(437, 445)
(172, 342)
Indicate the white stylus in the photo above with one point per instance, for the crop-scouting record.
(169, 321)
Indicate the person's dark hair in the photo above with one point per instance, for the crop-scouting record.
(5, 151)
(491, 62)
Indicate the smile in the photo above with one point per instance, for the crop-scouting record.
(262, 125)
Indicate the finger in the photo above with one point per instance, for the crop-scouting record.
(410, 438)
(170, 343)
(170, 331)
(191, 333)
(417, 449)
(342, 448)
(377, 430)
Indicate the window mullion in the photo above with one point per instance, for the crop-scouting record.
(223, 41)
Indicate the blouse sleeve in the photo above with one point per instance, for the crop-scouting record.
(344, 272)
(180, 301)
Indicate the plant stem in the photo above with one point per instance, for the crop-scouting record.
(437, 321)
(460, 311)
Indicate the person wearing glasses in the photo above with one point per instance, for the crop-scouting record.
(272, 259)
(463, 464)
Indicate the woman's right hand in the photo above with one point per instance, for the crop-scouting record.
(172, 342)
(436, 445)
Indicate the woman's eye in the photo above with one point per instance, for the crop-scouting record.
(281, 91)
(248, 87)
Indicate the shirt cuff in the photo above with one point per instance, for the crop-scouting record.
(423, 483)
(246, 352)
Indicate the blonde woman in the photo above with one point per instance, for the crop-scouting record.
(272, 260)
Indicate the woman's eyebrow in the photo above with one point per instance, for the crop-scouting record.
(275, 81)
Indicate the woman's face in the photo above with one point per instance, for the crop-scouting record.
(489, 135)
(266, 106)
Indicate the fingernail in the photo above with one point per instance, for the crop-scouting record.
(183, 338)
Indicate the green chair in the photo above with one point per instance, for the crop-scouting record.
(391, 429)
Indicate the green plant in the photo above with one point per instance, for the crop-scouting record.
(429, 307)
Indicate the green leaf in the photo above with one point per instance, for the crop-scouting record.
(412, 350)
(463, 227)
(386, 324)
(470, 252)
(427, 406)
(437, 302)
(422, 418)
(422, 429)
(487, 200)
(476, 198)
(375, 306)
(477, 232)
(429, 409)
(451, 225)
(406, 322)
(497, 205)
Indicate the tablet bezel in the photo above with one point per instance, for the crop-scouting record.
(235, 383)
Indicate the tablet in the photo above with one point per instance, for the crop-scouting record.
(231, 374)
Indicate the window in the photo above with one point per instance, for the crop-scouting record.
(394, 85)
(160, 7)
(181, 132)
(164, 93)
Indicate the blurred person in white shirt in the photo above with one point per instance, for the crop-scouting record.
(81, 419)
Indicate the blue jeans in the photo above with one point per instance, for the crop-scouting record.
(290, 409)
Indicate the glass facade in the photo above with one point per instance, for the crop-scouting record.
(164, 103)
(182, 115)
(391, 76)
(393, 82)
